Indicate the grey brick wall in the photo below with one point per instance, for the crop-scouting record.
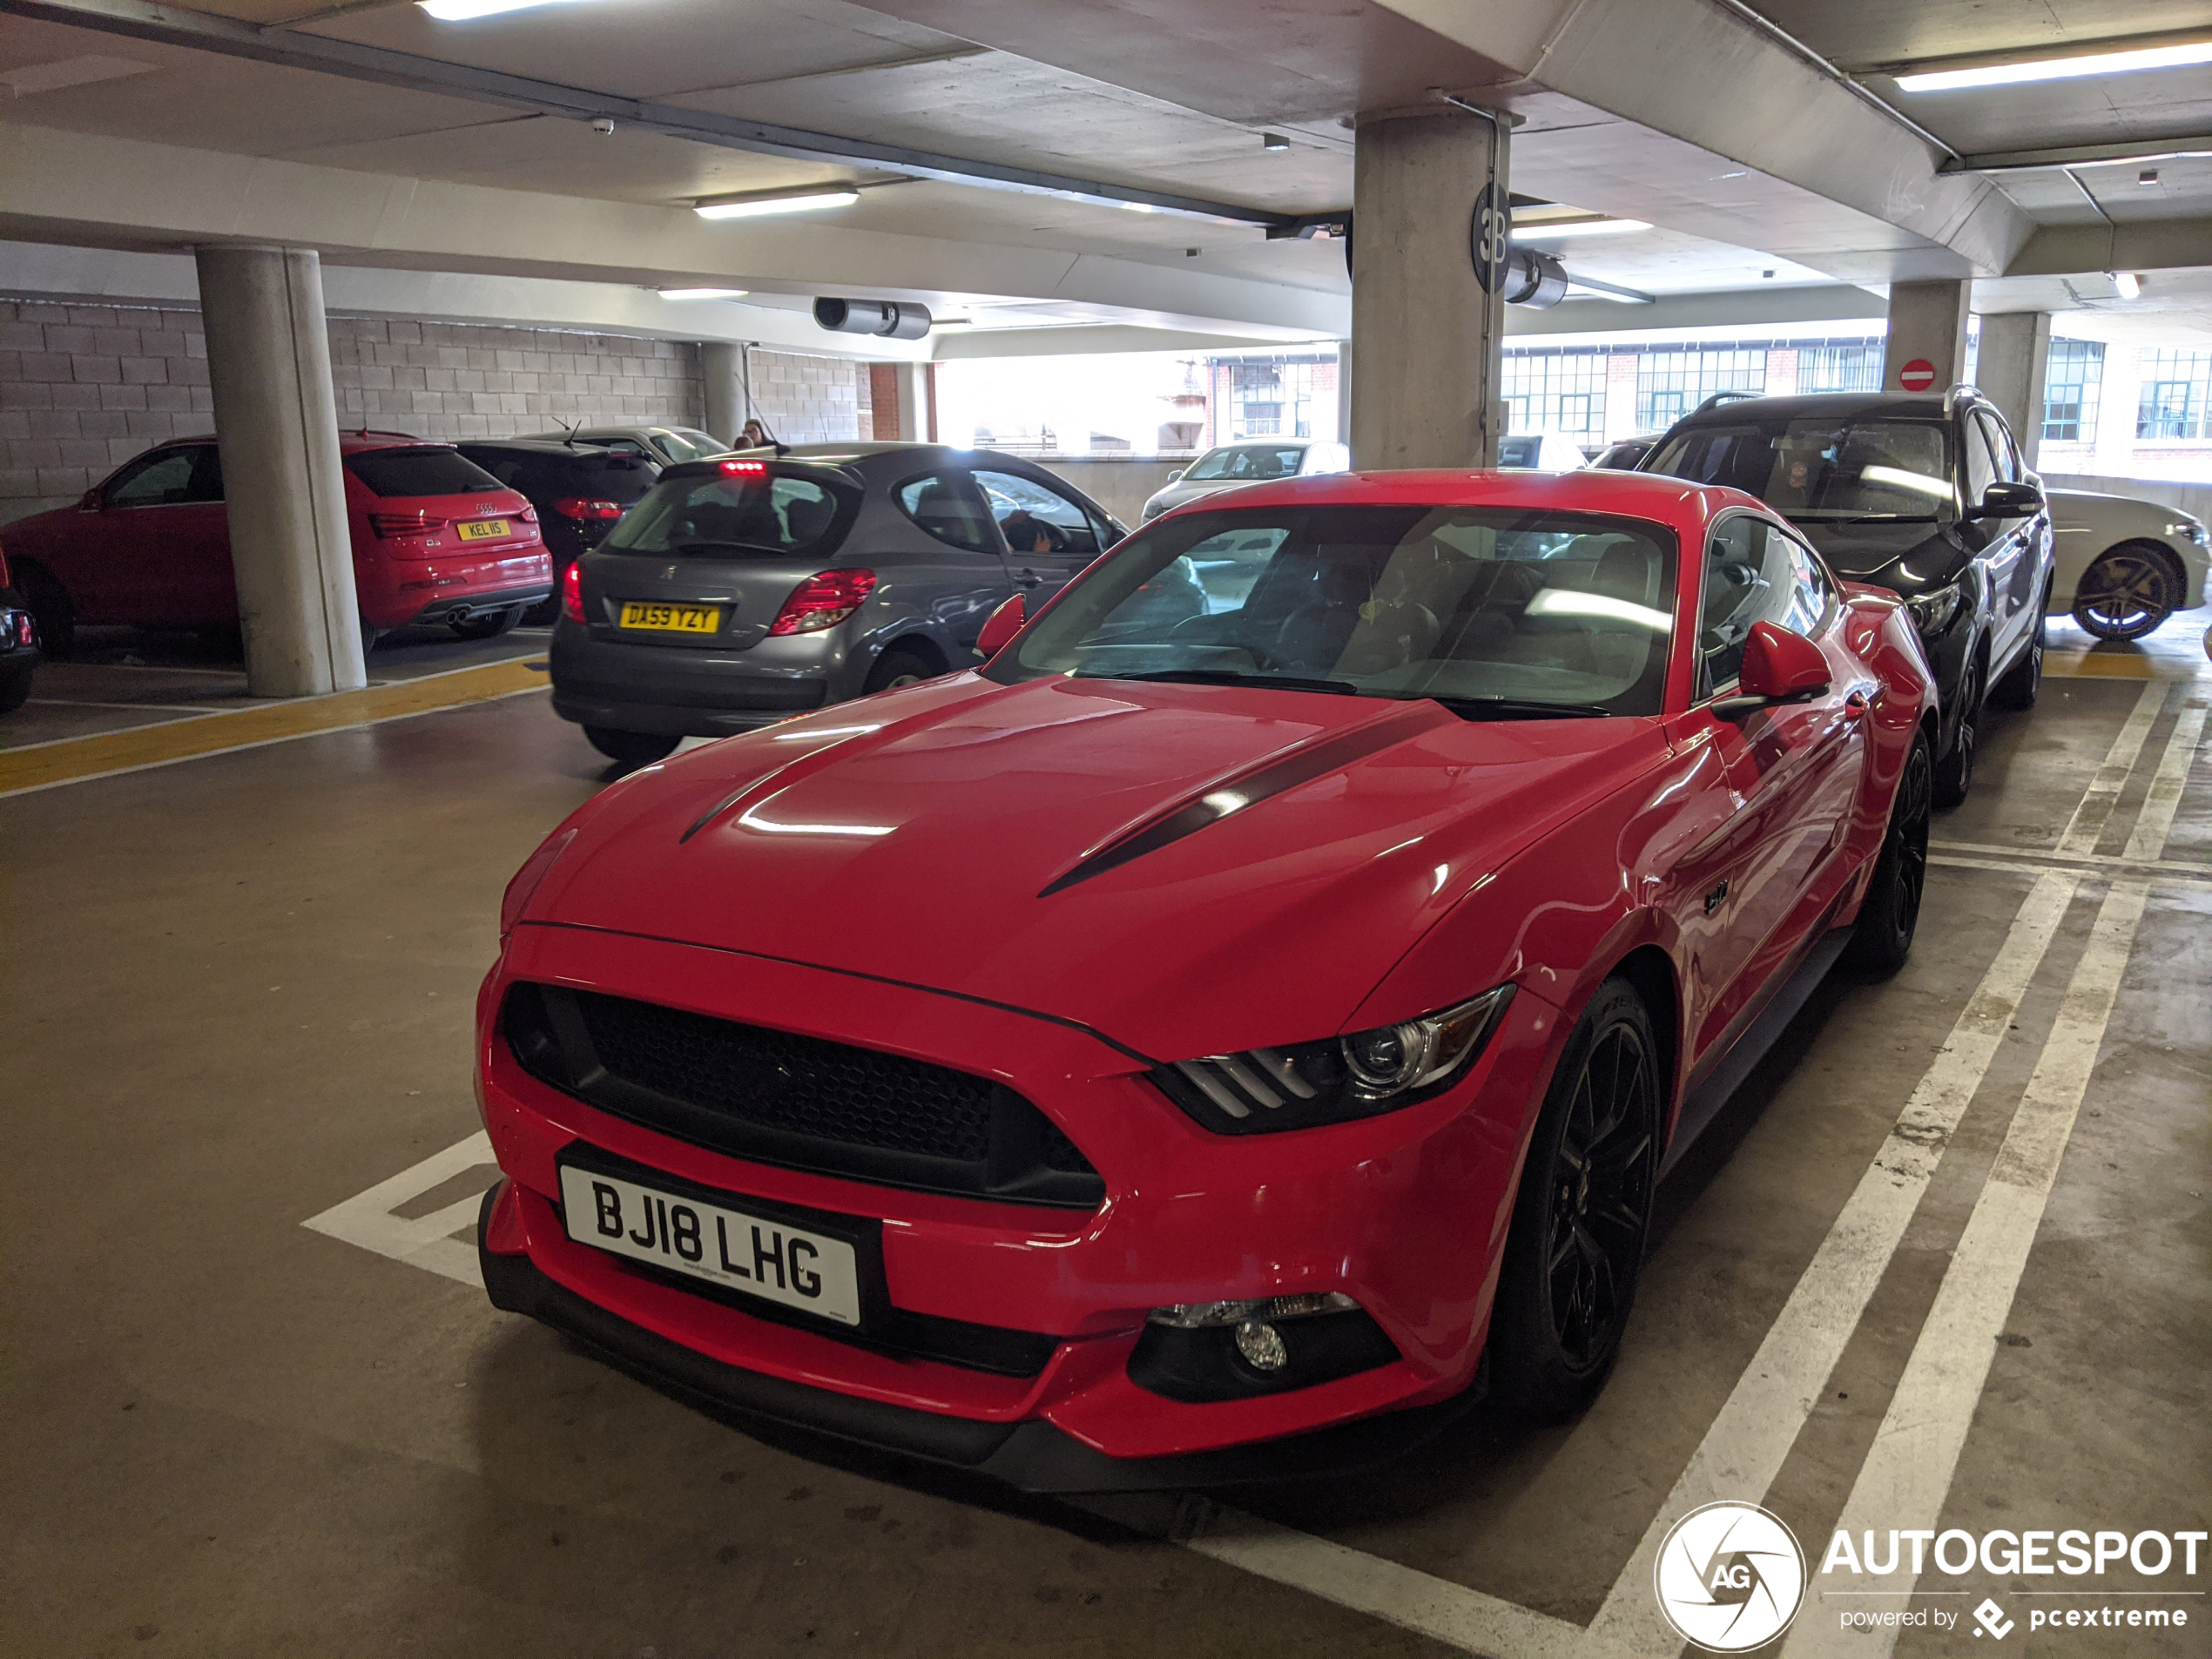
(82, 388)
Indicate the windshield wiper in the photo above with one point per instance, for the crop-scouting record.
(1514, 708)
(1230, 677)
(688, 547)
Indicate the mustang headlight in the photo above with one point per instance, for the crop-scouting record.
(1303, 1084)
(1933, 612)
(2189, 529)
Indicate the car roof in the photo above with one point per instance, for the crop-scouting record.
(549, 447)
(1830, 405)
(359, 440)
(1636, 495)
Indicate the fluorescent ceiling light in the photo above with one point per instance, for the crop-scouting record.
(462, 10)
(1569, 602)
(1919, 483)
(703, 293)
(2060, 69)
(1583, 291)
(2127, 286)
(757, 206)
(1547, 228)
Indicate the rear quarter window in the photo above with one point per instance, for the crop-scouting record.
(426, 471)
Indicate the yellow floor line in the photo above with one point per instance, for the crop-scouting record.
(74, 761)
(2090, 667)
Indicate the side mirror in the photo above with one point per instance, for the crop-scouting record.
(89, 502)
(2009, 501)
(1778, 666)
(1004, 624)
(1176, 477)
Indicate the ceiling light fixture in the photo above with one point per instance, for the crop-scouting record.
(462, 10)
(1273, 141)
(2147, 176)
(701, 293)
(2125, 284)
(1546, 229)
(806, 201)
(2060, 69)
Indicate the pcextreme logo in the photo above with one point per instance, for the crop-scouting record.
(1729, 1577)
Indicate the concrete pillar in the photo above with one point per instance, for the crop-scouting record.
(722, 368)
(2015, 351)
(276, 426)
(1927, 321)
(1425, 377)
(1344, 392)
(917, 413)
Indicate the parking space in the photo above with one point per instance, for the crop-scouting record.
(1937, 1265)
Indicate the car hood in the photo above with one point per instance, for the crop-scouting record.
(1905, 558)
(1181, 495)
(1060, 846)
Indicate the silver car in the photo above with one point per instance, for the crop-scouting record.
(1255, 460)
(745, 589)
(662, 445)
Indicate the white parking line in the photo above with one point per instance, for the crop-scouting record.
(2095, 807)
(1414, 1601)
(366, 1218)
(2155, 821)
(1745, 1448)
(1906, 1476)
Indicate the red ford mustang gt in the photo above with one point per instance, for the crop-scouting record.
(1239, 1023)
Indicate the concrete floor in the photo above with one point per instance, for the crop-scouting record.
(237, 994)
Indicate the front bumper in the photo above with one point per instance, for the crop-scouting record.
(1407, 1212)
(686, 691)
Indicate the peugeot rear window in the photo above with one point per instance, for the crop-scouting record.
(723, 512)
(427, 471)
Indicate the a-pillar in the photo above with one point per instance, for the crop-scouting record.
(1425, 387)
(722, 368)
(2015, 351)
(276, 428)
(1927, 324)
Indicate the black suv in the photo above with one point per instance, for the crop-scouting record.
(1925, 496)
(580, 490)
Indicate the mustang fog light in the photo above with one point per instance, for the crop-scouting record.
(1213, 1351)
(1933, 612)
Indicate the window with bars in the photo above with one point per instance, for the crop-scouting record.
(1271, 401)
(1562, 392)
(2177, 396)
(1840, 368)
(2072, 375)
(1669, 384)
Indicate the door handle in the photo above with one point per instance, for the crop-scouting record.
(1026, 578)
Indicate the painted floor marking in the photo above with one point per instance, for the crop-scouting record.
(2155, 821)
(2095, 807)
(2085, 862)
(2010, 866)
(1748, 1442)
(366, 1218)
(1908, 1474)
(1409, 1599)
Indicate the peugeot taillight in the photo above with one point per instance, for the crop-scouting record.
(823, 601)
(572, 593)
(576, 507)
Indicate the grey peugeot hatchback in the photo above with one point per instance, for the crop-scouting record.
(751, 587)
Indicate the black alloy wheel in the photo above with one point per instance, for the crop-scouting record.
(53, 612)
(1954, 774)
(897, 667)
(2022, 681)
(1890, 911)
(1577, 1243)
(14, 689)
(631, 748)
(2126, 593)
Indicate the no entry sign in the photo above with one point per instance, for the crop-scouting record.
(1917, 375)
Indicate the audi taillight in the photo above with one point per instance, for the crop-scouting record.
(26, 635)
(823, 601)
(576, 507)
(572, 593)
(389, 525)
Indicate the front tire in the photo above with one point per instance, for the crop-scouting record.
(1890, 914)
(1579, 1221)
(1954, 774)
(2024, 680)
(2127, 592)
(898, 666)
(631, 748)
(52, 609)
(15, 689)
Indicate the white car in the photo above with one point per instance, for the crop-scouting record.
(1543, 451)
(1255, 460)
(2125, 565)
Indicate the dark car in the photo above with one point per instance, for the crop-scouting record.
(18, 644)
(1926, 496)
(1623, 456)
(746, 590)
(579, 489)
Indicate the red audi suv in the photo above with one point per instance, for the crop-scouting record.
(435, 539)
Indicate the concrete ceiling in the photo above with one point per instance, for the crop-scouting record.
(1744, 155)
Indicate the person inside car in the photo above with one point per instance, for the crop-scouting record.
(1026, 533)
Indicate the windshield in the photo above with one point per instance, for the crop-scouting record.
(681, 443)
(1246, 463)
(1492, 611)
(755, 512)
(1820, 468)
